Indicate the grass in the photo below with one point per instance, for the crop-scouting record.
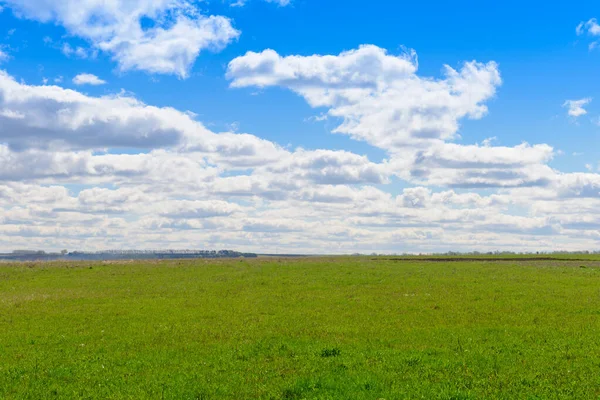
(318, 328)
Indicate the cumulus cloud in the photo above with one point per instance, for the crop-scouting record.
(40, 118)
(379, 96)
(590, 27)
(47, 116)
(88, 79)
(330, 167)
(382, 100)
(473, 166)
(241, 3)
(575, 108)
(78, 52)
(186, 184)
(185, 209)
(3, 55)
(177, 35)
(51, 117)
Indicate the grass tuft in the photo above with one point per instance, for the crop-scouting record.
(333, 352)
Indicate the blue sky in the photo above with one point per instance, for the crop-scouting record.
(424, 146)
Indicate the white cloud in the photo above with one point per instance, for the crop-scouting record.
(378, 96)
(3, 56)
(38, 118)
(590, 27)
(172, 50)
(488, 141)
(282, 3)
(453, 165)
(88, 79)
(178, 35)
(241, 3)
(380, 99)
(78, 51)
(365, 67)
(330, 167)
(185, 209)
(50, 116)
(575, 108)
(236, 190)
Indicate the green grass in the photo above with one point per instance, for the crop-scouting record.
(319, 328)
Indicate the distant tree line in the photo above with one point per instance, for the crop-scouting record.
(33, 255)
(481, 253)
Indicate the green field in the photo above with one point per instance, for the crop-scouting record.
(314, 328)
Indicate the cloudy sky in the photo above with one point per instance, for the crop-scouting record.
(299, 126)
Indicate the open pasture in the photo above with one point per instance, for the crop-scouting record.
(306, 328)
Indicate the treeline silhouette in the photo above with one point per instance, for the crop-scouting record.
(40, 255)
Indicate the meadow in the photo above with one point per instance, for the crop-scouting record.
(309, 328)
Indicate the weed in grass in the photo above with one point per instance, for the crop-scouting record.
(333, 352)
